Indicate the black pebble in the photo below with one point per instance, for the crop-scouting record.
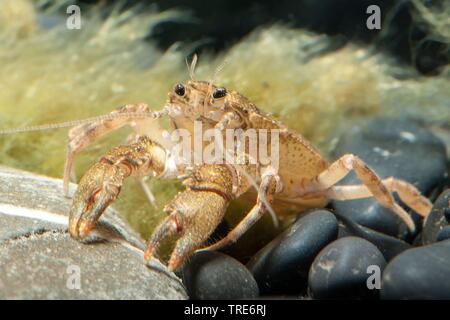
(343, 268)
(436, 221)
(389, 246)
(447, 213)
(211, 275)
(444, 234)
(392, 147)
(420, 273)
(281, 267)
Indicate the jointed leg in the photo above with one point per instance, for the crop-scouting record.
(148, 193)
(101, 184)
(270, 185)
(373, 186)
(407, 193)
(410, 196)
(141, 180)
(83, 135)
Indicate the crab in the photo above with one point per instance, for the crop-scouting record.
(303, 178)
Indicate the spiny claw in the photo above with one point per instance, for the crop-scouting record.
(97, 189)
(194, 215)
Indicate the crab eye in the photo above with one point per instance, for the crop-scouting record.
(219, 93)
(180, 90)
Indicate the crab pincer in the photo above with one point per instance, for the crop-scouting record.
(97, 189)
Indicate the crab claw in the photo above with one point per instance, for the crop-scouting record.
(192, 214)
(97, 189)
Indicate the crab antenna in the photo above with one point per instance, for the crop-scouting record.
(73, 123)
(191, 67)
(219, 69)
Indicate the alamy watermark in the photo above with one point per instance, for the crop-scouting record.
(373, 22)
(374, 280)
(229, 146)
(74, 279)
(74, 19)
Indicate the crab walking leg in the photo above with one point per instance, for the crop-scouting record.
(141, 180)
(101, 184)
(83, 135)
(269, 186)
(406, 191)
(148, 192)
(341, 167)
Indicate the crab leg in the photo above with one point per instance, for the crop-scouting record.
(376, 187)
(102, 182)
(83, 135)
(269, 186)
(407, 193)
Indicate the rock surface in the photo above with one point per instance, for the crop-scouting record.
(389, 246)
(420, 273)
(392, 147)
(281, 267)
(341, 270)
(444, 234)
(213, 275)
(447, 213)
(40, 261)
(50, 265)
(437, 220)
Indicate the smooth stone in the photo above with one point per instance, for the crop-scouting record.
(282, 266)
(419, 273)
(340, 270)
(50, 265)
(447, 213)
(389, 246)
(436, 221)
(210, 275)
(444, 234)
(391, 147)
(32, 203)
(37, 254)
(417, 242)
(343, 230)
(16, 226)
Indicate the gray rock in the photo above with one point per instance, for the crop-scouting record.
(214, 275)
(282, 266)
(419, 273)
(48, 266)
(340, 270)
(37, 203)
(436, 220)
(389, 246)
(447, 213)
(40, 261)
(12, 227)
(444, 234)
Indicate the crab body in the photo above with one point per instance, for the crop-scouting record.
(301, 179)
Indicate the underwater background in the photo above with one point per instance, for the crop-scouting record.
(314, 66)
